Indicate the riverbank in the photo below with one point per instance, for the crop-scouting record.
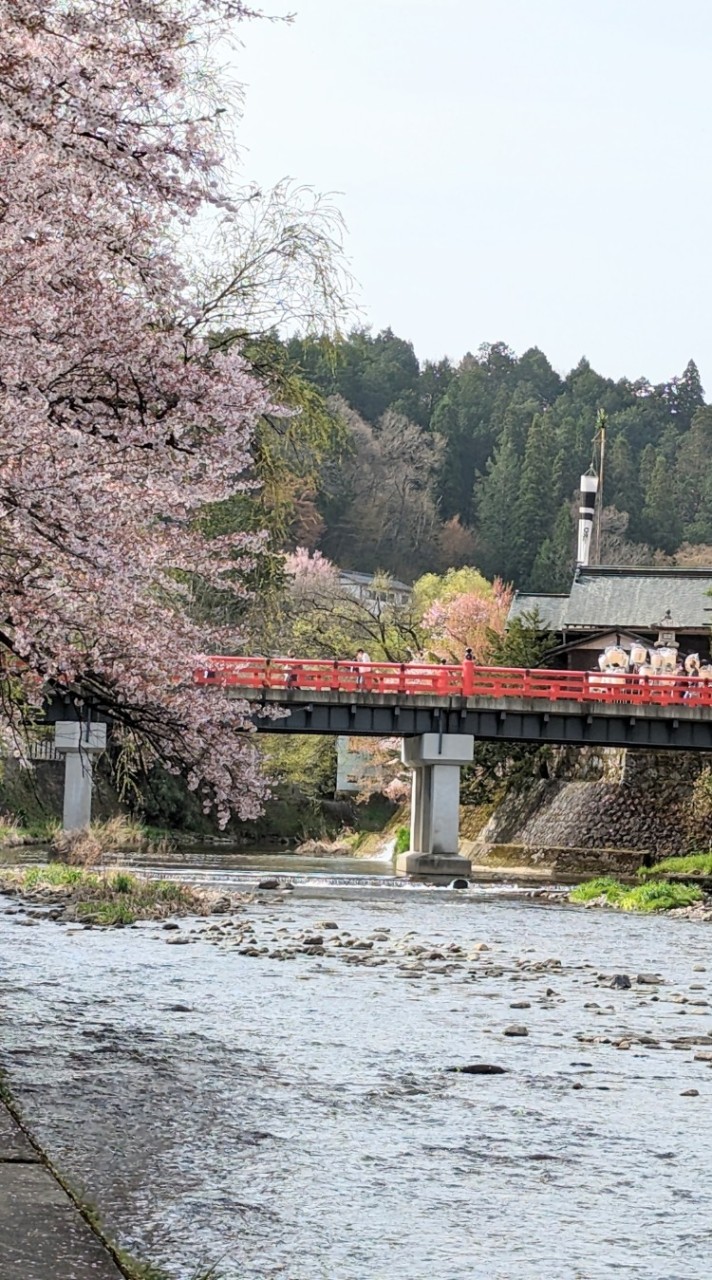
(42, 1234)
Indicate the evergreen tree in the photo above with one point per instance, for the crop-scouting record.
(554, 564)
(693, 479)
(647, 466)
(536, 504)
(685, 396)
(661, 519)
(622, 486)
(496, 496)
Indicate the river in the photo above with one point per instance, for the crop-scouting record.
(295, 1118)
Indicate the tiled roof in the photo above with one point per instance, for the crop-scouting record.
(367, 579)
(550, 609)
(640, 598)
(603, 597)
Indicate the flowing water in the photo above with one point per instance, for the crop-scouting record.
(295, 1118)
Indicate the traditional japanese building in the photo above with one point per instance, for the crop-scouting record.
(610, 605)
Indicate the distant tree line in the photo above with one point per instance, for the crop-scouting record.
(439, 464)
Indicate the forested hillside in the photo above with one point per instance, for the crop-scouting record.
(479, 463)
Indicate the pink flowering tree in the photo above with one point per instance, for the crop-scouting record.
(462, 610)
(309, 572)
(457, 610)
(118, 426)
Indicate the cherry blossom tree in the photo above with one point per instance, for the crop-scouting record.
(462, 610)
(118, 424)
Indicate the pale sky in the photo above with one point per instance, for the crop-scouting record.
(535, 171)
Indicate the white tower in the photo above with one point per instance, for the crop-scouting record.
(589, 489)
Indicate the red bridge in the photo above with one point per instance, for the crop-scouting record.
(439, 712)
(405, 699)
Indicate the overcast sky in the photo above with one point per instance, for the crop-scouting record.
(535, 171)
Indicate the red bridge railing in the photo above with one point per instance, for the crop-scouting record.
(465, 680)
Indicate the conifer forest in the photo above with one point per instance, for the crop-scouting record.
(436, 464)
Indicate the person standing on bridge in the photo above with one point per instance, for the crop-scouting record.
(363, 661)
(468, 673)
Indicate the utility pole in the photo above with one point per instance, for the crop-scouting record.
(600, 440)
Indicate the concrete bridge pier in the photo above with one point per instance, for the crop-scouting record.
(79, 744)
(436, 760)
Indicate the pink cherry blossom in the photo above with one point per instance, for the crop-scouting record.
(469, 619)
(116, 424)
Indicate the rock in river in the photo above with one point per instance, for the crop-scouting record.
(479, 1069)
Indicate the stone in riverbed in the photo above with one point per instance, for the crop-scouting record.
(479, 1069)
(690, 1093)
(270, 883)
(516, 1031)
(170, 924)
(520, 1004)
(649, 979)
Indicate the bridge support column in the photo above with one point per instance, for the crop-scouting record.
(79, 744)
(436, 760)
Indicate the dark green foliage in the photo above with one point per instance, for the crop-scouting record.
(509, 439)
(662, 526)
(496, 495)
(525, 643)
(554, 562)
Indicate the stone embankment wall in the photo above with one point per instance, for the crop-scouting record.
(602, 810)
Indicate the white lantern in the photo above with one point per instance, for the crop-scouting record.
(669, 660)
(616, 658)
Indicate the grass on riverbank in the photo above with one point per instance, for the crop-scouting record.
(14, 833)
(657, 895)
(691, 864)
(402, 844)
(105, 897)
(84, 847)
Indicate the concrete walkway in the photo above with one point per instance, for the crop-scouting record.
(42, 1235)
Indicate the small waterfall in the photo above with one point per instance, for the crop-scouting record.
(387, 853)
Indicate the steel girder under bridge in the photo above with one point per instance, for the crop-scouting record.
(685, 728)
